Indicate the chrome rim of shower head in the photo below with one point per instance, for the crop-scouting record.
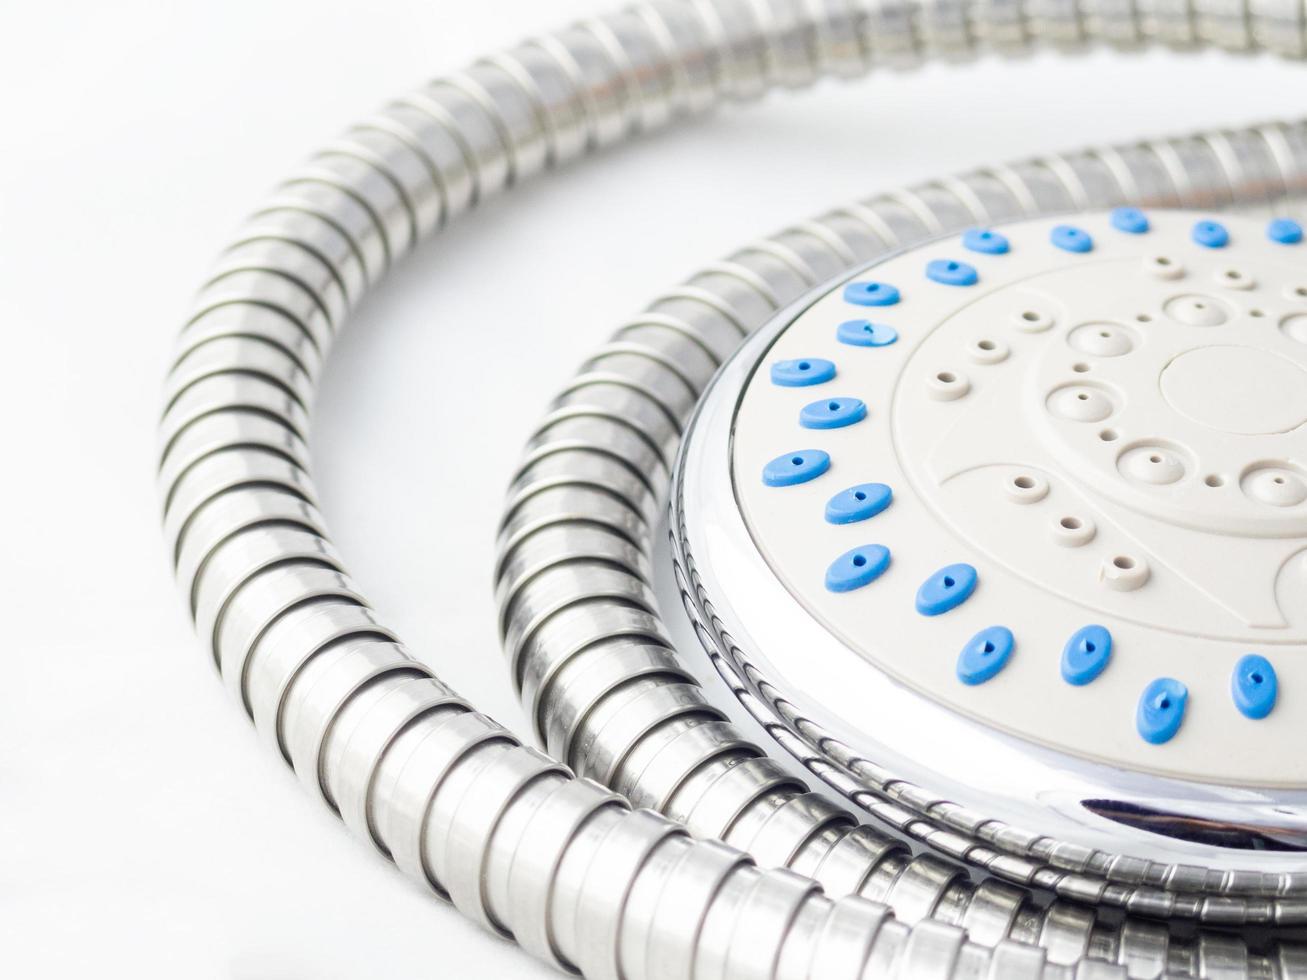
(1039, 415)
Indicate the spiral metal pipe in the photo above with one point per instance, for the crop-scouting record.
(560, 863)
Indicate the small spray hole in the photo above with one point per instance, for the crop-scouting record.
(859, 560)
(1072, 523)
(947, 377)
(1109, 435)
(1215, 480)
(1024, 483)
(860, 495)
(1123, 562)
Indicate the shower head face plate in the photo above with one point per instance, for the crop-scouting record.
(1051, 502)
(1081, 426)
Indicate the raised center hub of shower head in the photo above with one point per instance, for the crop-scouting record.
(1236, 389)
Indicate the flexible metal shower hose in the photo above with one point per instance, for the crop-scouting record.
(561, 864)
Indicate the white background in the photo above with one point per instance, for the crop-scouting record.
(144, 831)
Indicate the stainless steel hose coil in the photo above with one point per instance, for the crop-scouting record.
(517, 843)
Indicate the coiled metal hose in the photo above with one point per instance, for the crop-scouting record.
(514, 840)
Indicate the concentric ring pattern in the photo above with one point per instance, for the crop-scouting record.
(1090, 454)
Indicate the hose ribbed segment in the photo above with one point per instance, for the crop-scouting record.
(452, 798)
